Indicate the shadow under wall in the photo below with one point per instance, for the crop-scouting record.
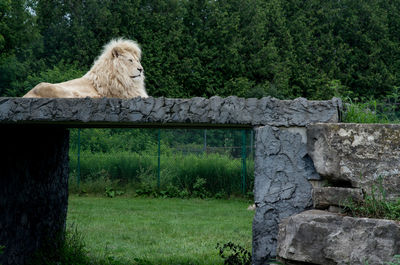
(33, 190)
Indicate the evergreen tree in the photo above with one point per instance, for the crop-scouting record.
(250, 48)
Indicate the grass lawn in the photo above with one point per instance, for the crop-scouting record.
(160, 231)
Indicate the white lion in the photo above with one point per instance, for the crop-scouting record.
(117, 73)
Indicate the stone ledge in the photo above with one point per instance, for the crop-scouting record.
(323, 197)
(146, 112)
(319, 237)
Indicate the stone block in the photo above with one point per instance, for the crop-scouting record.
(216, 111)
(323, 197)
(319, 237)
(357, 155)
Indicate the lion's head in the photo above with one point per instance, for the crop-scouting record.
(118, 72)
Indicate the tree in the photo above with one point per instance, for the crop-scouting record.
(250, 48)
(20, 41)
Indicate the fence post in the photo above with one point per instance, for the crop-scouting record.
(78, 176)
(244, 161)
(251, 143)
(205, 141)
(159, 162)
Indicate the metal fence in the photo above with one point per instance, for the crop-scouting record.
(237, 144)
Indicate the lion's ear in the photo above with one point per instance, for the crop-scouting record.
(116, 51)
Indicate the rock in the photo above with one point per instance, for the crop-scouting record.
(251, 207)
(323, 197)
(334, 209)
(357, 155)
(319, 237)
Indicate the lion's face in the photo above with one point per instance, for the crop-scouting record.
(128, 65)
(134, 68)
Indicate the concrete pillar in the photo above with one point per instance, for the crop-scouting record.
(281, 186)
(33, 190)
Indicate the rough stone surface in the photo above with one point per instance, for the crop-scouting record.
(33, 190)
(319, 237)
(357, 155)
(185, 112)
(281, 188)
(324, 197)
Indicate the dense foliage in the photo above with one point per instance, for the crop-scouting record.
(310, 48)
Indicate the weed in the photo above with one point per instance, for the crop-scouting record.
(71, 251)
(111, 192)
(374, 205)
(184, 194)
(367, 112)
(234, 254)
(199, 188)
(172, 191)
(146, 190)
(221, 195)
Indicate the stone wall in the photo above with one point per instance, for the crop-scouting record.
(34, 186)
(352, 160)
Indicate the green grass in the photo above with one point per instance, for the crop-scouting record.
(160, 231)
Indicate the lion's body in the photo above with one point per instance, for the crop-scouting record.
(116, 73)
